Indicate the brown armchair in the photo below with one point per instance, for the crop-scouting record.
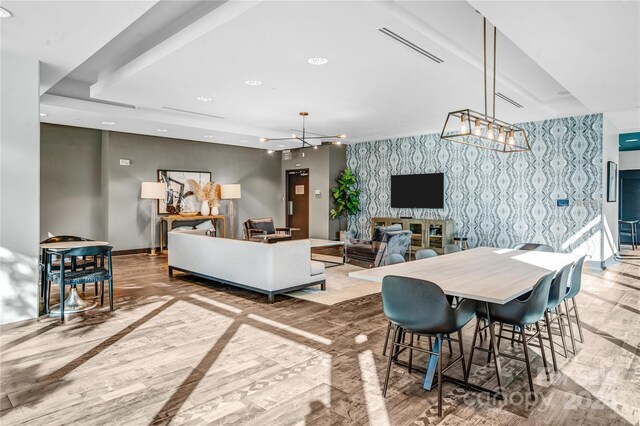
(264, 230)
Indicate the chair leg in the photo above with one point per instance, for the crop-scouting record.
(542, 350)
(386, 339)
(526, 360)
(450, 348)
(500, 335)
(111, 294)
(439, 337)
(573, 339)
(575, 309)
(410, 352)
(62, 299)
(464, 366)
(102, 294)
(473, 347)
(83, 284)
(47, 294)
(95, 288)
(547, 323)
(389, 361)
(513, 335)
(559, 320)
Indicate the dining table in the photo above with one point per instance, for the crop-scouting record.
(73, 303)
(483, 274)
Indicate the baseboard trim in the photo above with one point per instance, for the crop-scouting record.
(132, 251)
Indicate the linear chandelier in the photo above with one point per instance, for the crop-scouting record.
(481, 130)
(304, 137)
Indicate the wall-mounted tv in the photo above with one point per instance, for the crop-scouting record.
(418, 191)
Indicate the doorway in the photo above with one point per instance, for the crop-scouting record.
(629, 202)
(297, 206)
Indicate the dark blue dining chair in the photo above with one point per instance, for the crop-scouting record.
(72, 278)
(518, 313)
(553, 312)
(575, 284)
(421, 307)
(425, 254)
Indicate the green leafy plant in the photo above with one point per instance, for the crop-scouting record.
(346, 196)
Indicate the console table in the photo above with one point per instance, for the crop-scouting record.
(177, 218)
(426, 233)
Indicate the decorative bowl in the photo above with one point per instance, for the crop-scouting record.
(188, 214)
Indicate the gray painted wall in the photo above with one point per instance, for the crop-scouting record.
(70, 178)
(126, 218)
(324, 164)
(19, 187)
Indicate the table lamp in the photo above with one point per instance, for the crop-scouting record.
(231, 192)
(153, 191)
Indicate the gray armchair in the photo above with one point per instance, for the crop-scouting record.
(394, 244)
(367, 250)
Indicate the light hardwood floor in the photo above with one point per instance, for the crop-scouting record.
(186, 351)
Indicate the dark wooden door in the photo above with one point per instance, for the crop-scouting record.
(298, 202)
(629, 202)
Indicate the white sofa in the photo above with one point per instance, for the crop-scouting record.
(266, 268)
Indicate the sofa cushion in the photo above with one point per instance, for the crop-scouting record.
(263, 225)
(317, 268)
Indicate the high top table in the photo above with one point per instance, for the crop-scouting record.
(73, 303)
(485, 274)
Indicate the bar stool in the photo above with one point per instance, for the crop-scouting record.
(632, 231)
(462, 242)
(517, 313)
(421, 307)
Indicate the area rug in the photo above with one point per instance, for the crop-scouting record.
(340, 287)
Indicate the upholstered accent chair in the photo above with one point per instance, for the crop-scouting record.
(367, 250)
(264, 230)
(394, 244)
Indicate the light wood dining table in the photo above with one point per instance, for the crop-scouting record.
(484, 274)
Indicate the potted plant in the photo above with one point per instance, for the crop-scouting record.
(346, 198)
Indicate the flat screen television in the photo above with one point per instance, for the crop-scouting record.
(418, 191)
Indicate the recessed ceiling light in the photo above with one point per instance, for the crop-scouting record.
(43, 114)
(318, 61)
(208, 136)
(204, 98)
(108, 123)
(270, 151)
(253, 82)
(4, 13)
(161, 130)
(264, 139)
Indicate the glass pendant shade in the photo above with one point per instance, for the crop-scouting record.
(485, 137)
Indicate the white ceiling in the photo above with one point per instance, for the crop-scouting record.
(550, 60)
(63, 34)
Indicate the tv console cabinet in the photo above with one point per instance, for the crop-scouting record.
(427, 233)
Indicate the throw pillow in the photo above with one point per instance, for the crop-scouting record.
(182, 228)
(204, 225)
(263, 225)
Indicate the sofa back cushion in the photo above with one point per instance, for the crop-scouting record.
(265, 225)
(379, 231)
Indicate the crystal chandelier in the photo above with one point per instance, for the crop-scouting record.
(482, 130)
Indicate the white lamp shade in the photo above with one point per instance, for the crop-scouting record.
(230, 192)
(153, 190)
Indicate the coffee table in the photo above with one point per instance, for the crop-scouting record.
(317, 243)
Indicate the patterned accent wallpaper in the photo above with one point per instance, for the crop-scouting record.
(497, 199)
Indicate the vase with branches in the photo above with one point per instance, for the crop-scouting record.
(209, 192)
(346, 197)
